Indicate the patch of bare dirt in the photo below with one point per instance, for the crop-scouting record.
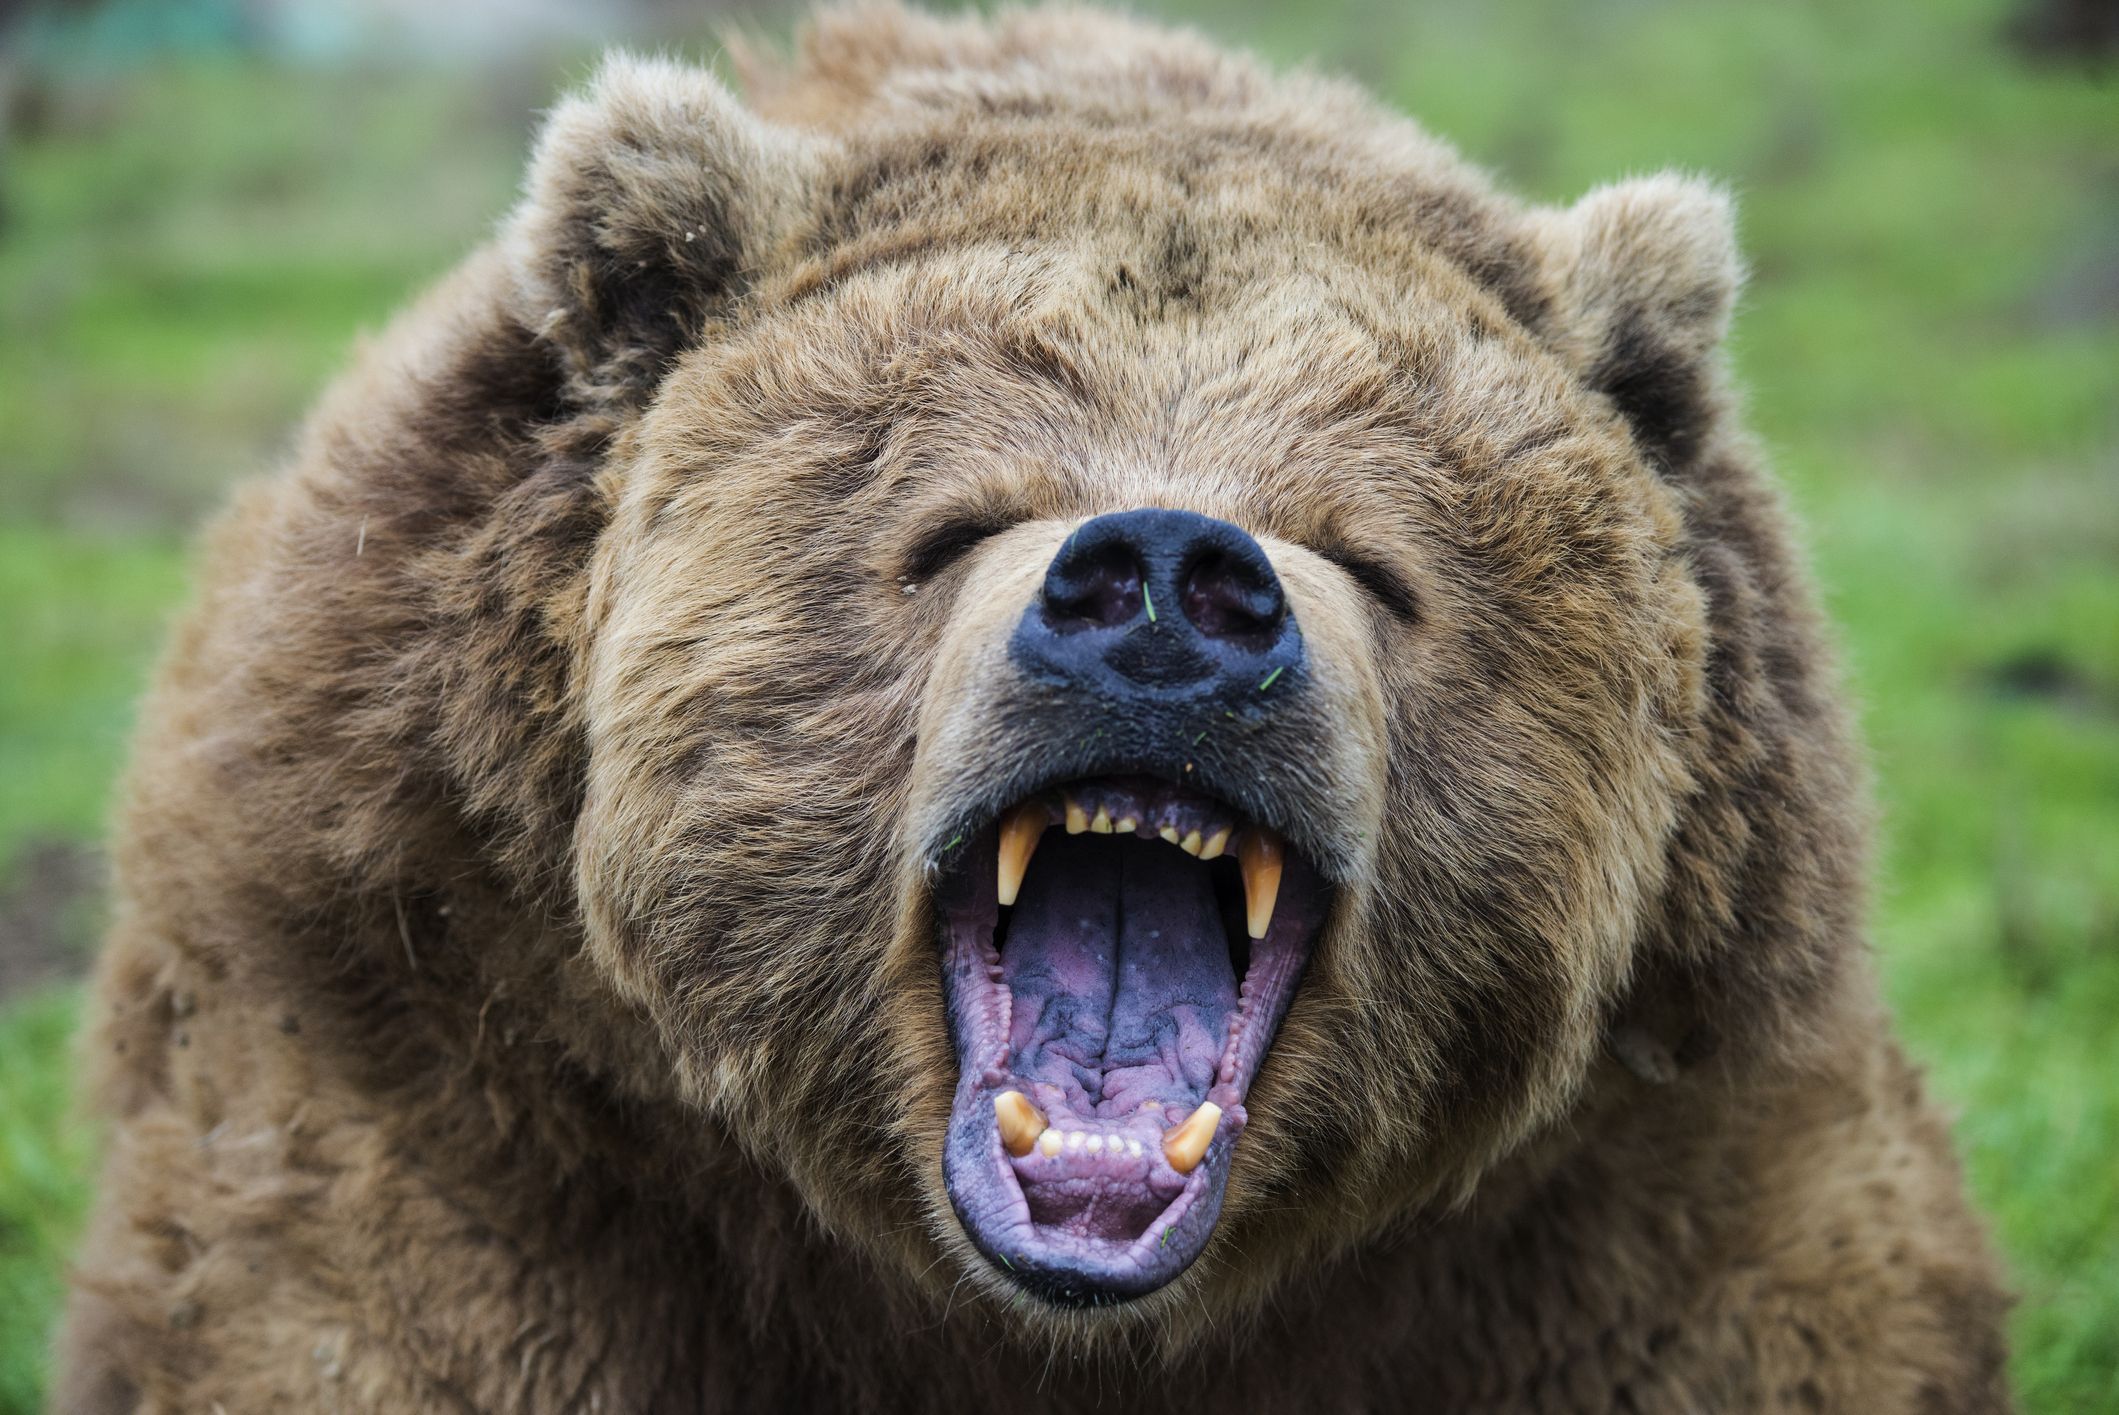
(49, 906)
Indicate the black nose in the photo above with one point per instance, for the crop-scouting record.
(1161, 605)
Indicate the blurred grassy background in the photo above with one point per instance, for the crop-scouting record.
(201, 204)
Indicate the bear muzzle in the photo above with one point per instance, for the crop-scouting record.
(1135, 801)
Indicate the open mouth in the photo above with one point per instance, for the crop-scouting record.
(1119, 953)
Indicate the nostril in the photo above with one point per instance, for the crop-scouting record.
(1099, 588)
(1227, 598)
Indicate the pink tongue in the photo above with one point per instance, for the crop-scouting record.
(1120, 974)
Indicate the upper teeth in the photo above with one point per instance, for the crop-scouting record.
(1020, 830)
(1259, 851)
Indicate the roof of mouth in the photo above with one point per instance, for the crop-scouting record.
(1117, 960)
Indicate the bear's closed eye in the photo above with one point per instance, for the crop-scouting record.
(941, 545)
(1383, 584)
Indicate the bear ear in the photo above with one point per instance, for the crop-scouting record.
(650, 199)
(1644, 276)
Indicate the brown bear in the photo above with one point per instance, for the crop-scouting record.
(1047, 723)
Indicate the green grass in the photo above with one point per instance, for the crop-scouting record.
(188, 252)
(1930, 341)
(45, 1153)
(84, 613)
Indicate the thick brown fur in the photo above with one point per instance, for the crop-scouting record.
(524, 991)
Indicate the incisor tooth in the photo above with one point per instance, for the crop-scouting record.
(1261, 853)
(1077, 818)
(1185, 1146)
(1021, 1122)
(1216, 843)
(1101, 823)
(1049, 1142)
(1020, 830)
(1169, 833)
(1190, 844)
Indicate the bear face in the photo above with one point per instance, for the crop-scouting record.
(964, 440)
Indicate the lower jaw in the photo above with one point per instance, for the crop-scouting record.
(1021, 1211)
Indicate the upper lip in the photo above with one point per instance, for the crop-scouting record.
(1203, 777)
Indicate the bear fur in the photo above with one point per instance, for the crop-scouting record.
(523, 992)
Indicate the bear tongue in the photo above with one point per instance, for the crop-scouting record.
(1120, 974)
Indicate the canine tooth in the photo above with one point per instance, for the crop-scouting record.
(1190, 844)
(1261, 854)
(1101, 823)
(1169, 833)
(1021, 1122)
(1021, 829)
(1185, 1146)
(1216, 843)
(1049, 1142)
(1126, 826)
(1077, 818)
